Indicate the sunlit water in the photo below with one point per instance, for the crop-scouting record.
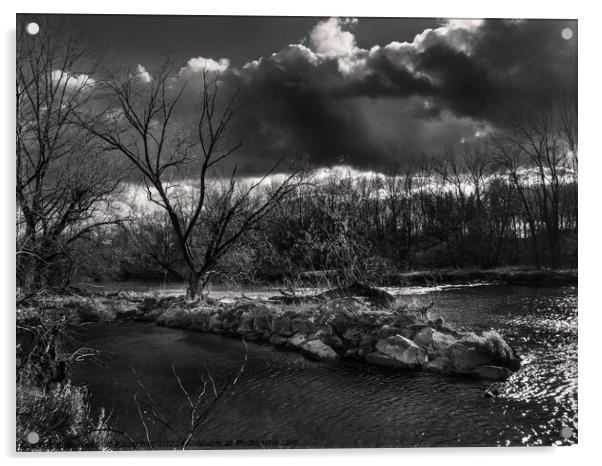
(283, 399)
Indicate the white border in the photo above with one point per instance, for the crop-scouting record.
(589, 245)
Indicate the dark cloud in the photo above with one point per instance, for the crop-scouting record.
(338, 97)
(380, 105)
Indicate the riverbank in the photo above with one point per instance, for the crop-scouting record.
(518, 276)
(506, 276)
(367, 326)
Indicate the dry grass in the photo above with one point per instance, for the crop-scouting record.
(46, 402)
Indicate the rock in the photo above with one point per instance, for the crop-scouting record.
(277, 340)
(149, 304)
(386, 331)
(125, 311)
(245, 324)
(318, 351)
(442, 365)
(402, 350)
(423, 337)
(282, 325)
(177, 318)
(465, 359)
(262, 321)
(303, 324)
(352, 354)
(352, 335)
(296, 341)
(485, 349)
(341, 322)
(406, 332)
(214, 324)
(372, 318)
(199, 320)
(439, 344)
(320, 334)
(333, 341)
(415, 328)
(367, 342)
(378, 359)
(229, 319)
(493, 372)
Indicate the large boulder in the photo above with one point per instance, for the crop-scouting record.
(424, 336)
(465, 358)
(199, 319)
(282, 324)
(440, 342)
(296, 341)
(403, 350)
(318, 351)
(486, 349)
(177, 318)
(263, 316)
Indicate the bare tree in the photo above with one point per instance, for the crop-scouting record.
(510, 161)
(178, 165)
(63, 182)
(545, 136)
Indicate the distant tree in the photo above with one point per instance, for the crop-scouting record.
(543, 138)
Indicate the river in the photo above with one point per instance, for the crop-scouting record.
(283, 399)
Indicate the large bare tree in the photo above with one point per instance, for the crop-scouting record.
(63, 182)
(178, 160)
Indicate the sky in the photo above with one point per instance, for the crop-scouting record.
(369, 92)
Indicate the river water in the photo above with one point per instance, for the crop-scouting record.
(283, 399)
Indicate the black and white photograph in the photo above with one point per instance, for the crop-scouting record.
(294, 232)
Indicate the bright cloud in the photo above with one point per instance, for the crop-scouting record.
(142, 74)
(328, 38)
(72, 81)
(201, 64)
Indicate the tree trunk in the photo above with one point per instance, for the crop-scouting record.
(194, 285)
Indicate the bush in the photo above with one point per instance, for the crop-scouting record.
(51, 413)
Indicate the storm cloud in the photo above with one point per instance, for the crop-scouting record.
(337, 102)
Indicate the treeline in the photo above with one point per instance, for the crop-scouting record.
(464, 210)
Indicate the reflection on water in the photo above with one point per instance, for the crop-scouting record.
(285, 398)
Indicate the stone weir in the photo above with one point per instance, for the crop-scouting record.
(373, 331)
